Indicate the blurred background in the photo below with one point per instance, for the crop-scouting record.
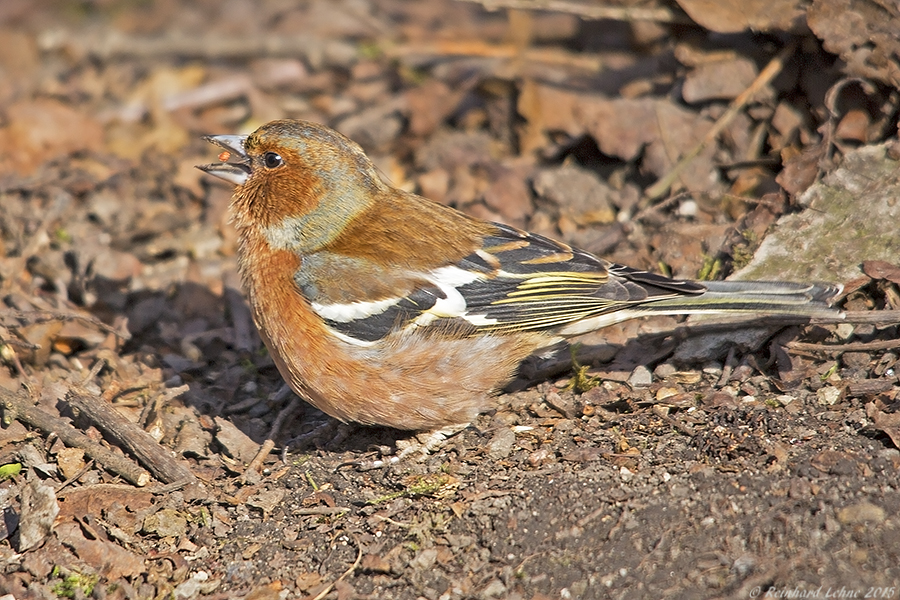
(666, 135)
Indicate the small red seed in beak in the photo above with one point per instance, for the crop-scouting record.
(224, 156)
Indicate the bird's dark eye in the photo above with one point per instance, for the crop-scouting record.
(272, 160)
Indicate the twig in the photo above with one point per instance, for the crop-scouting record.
(727, 367)
(258, 460)
(869, 387)
(269, 444)
(41, 316)
(550, 56)
(764, 78)
(852, 347)
(653, 208)
(352, 568)
(321, 510)
(591, 10)
(76, 476)
(138, 442)
(22, 410)
(108, 44)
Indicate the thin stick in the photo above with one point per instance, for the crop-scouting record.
(269, 444)
(592, 10)
(110, 44)
(479, 48)
(352, 568)
(764, 78)
(40, 316)
(160, 461)
(76, 476)
(321, 510)
(852, 347)
(21, 409)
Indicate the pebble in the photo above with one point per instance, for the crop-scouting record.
(501, 444)
(828, 395)
(664, 370)
(862, 512)
(688, 208)
(713, 368)
(640, 377)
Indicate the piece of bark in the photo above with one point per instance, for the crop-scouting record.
(138, 442)
(21, 409)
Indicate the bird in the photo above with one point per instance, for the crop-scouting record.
(381, 307)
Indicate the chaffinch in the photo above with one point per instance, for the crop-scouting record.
(382, 307)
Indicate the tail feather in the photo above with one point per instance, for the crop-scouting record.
(763, 297)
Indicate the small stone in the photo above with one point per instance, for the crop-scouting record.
(640, 377)
(744, 564)
(540, 457)
(192, 588)
(494, 589)
(167, 522)
(580, 194)
(844, 330)
(828, 395)
(564, 406)
(689, 377)
(665, 392)
(235, 442)
(664, 370)
(862, 512)
(713, 368)
(688, 209)
(501, 444)
(266, 501)
(425, 559)
(784, 399)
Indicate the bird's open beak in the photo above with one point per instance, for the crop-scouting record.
(234, 172)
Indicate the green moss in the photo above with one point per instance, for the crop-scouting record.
(73, 582)
(580, 381)
(423, 485)
(828, 240)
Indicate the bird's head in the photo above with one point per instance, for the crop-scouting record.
(299, 182)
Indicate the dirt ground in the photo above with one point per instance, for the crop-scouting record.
(761, 461)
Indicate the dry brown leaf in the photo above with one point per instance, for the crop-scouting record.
(70, 461)
(864, 34)
(509, 195)
(40, 130)
(800, 168)
(429, 105)
(622, 128)
(109, 559)
(880, 269)
(732, 16)
(886, 422)
(723, 79)
(37, 513)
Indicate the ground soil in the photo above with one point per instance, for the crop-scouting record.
(761, 469)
